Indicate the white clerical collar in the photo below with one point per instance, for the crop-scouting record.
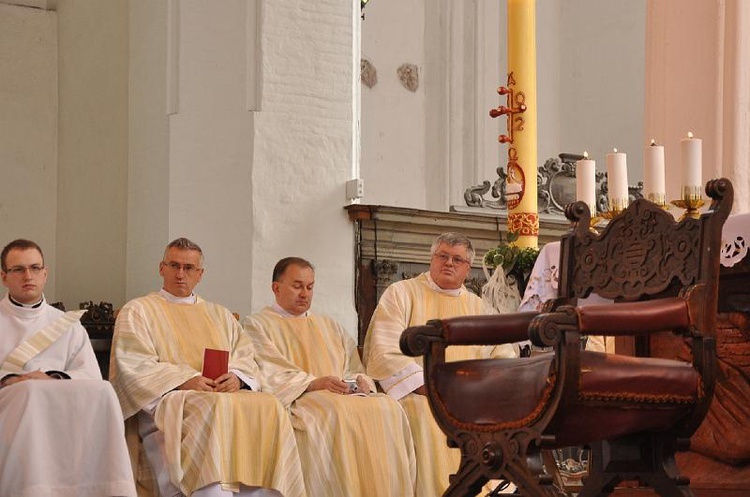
(190, 299)
(453, 292)
(26, 306)
(275, 307)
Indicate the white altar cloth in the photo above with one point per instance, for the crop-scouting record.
(735, 239)
(63, 438)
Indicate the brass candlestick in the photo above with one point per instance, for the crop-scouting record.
(691, 201)
(659, 199)
(594, 221)
(610, 214)
(616, 206)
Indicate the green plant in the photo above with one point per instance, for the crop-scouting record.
(510, 257)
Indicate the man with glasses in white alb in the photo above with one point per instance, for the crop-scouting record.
(436, 294)
(204, 434)
(52, 396)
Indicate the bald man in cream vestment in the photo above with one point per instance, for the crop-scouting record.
(351, 444)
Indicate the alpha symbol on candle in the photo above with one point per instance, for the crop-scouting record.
(514, 108)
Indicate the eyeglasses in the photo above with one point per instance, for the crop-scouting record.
(188, 268)
(21, 270)
(457, 260)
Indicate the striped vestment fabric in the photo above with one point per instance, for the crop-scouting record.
(237, 438)
(349, 445)
(411, 303)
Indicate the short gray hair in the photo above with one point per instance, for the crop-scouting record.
(451, 238)
(183, 243)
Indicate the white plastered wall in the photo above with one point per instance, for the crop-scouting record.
(303, 149)
(148, 151)
(64, 141)
(92, 150)
(243, 141)
(233, 123)
(211, 143)
(423, 149)
(28, 130)
(698, 79)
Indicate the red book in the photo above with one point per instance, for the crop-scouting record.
(215, 363)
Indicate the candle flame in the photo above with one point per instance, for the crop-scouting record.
(614, 150)
(653, 142)
(585, 155)
(690, 134)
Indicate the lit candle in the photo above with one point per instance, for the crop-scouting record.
(617, 180)
(586, 182)
(654, 187)
(691, 150)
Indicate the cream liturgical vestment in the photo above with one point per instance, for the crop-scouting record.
(412, 303)
(350, 445)
(231, 438)
(60, 438)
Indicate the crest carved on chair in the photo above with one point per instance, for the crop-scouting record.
(631, 263)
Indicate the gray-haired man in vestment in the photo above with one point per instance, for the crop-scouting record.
(203, 436)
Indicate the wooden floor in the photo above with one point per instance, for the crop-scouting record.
(718, 481)
(699, 492)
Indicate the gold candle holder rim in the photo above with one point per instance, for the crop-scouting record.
(691, 203)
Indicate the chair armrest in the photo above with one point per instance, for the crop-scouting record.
(415, 340)
(632, 318)
(622, 319)
(493, 329)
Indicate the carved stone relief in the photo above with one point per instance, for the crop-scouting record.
(556, 187)
(384, 272)
(408, 74)
(388, 271)
(368, 73)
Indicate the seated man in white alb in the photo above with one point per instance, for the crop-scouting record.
(437, 294)
(202, 436)
(350, 445)
(60, 423)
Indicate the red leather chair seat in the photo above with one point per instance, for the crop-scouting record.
(618, 394)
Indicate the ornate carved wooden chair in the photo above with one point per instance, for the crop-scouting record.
(633, 412)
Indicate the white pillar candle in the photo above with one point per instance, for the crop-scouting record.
(691, 151)
(617, 180)
(586, 182)
(654, 187)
